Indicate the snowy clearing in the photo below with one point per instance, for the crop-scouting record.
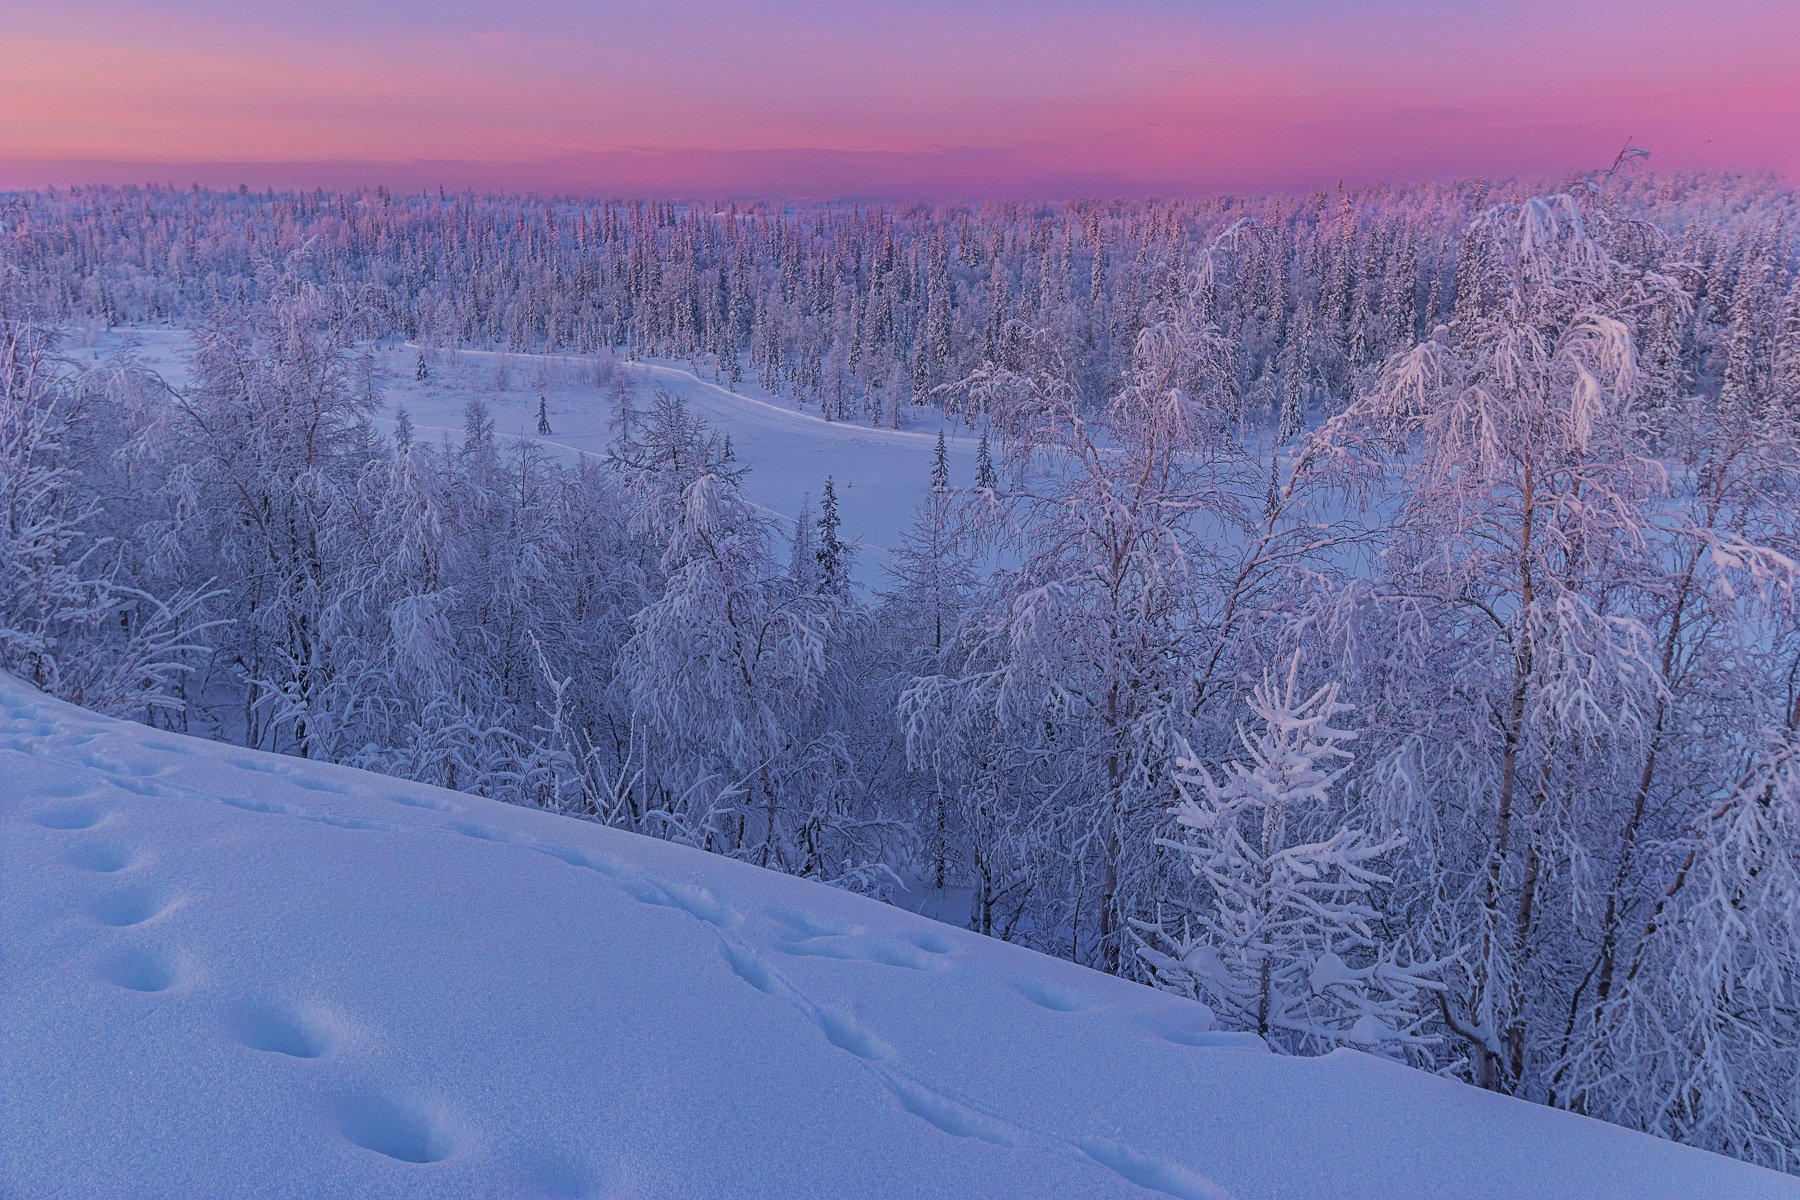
(880, 474)
(230, 973)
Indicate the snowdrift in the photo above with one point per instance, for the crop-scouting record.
(225, 973)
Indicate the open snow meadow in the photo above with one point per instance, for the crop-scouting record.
(239, 974)
(880, 473)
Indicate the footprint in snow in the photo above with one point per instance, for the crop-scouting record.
(120, 770)
(798, 925)
(259, 766)
(141, 969)
(1054, 998)
(275, 1027)
(100, 858)
(748, 966)
(70, 816)
(842, 1031)
(588, 861)
(427, 802)
(261, 806)
(1191, 1034)
(483, 833)
(398, 1127)
(810, 935)
(859, 947)
(346, 822)
(1153, 1174)
(948, 1115)
(928, 941)
(131, 906)
(696, 901)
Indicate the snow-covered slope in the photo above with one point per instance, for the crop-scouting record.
(225, 973)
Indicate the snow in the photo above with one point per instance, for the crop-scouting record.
(226, 973)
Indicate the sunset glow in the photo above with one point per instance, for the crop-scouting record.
(929, 98)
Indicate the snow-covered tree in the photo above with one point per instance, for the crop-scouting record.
(1286, 938)
(68, 623)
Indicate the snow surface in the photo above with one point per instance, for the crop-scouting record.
(227, 973)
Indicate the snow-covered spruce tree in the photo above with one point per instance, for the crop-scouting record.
(833, 553)
(933, 579)
(1284, 939)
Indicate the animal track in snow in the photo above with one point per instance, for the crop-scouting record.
(260, 766)
(277, 1028)
(842, 1031)
(398, 1128)
(308, 782)
(137, 787)
(747, 966)
(483, 833)
(797, 925)
(947, 1114)
(140, 969)
(861, 947)
(130, 906)
(1212, 1039)
(344, 822)
(1154, 1174)
(101, 858)
(1052, 997)
(70, 816)
(261, 806)
(427, 802)
(929, 942)
(119, 771)
(587, 861)
(692, 899)
(555, 1174)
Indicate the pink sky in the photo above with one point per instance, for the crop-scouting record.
(888, 97)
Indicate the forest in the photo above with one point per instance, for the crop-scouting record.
(1372, 615)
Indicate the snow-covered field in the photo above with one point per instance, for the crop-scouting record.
(225, 973)
(880, 475)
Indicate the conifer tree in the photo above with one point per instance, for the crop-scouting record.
(1283, 941)
(833, 554)
(986, 479)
